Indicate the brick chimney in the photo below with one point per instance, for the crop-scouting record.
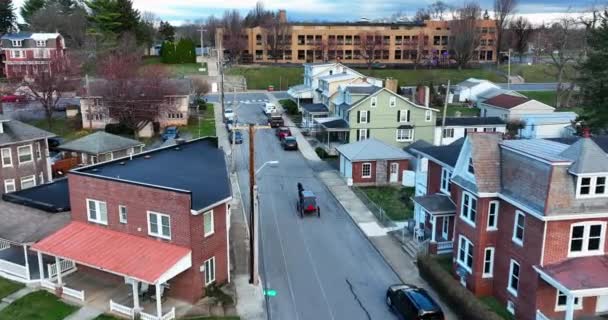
(283, 16)
(423, 95)
(586, 132)
(391, 84)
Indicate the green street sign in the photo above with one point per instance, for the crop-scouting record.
(270, 293)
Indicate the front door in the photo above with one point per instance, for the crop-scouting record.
(394, 172)
(602, 304)
(444, 227)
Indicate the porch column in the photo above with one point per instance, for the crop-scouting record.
(569, 307)
(433, 221)
(27, 265)
(159, 306)
(40, 266)
(134, 287)
(58, 268)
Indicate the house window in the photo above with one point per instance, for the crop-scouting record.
(17, 43)
(405, 135)
(592, 187)
(428, 115)
(208, 223)
(587, 238)
(471, 169)
(488, 263)
(9, 185)
(493, 215)
(448, 133)
(363, 116)
(38, 153)
(513, 278)
(366, 170)
(40, 43)
(446, 186)
(489, 129)
(28, 182)
(209, 271)
(24, 154)
(403, 115)
(469, 208)
(465, 254)
(97, 211)
(392, 102)
(7, 159)
(363, 134)
(511, 307)
(585, 186)
(122, 214)
(518, 227)
(17, 54)
(562, 302)
(159, 225)
(373, 102)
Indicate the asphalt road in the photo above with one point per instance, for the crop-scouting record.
(321, 268)
(246, 97)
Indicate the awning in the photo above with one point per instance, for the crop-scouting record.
(300, 91)
(143, 259)
(436, 204)
(315, 108)
(584, 276)
(333, 124)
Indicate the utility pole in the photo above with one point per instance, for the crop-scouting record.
(509, 68)
(220, 61)
(252, 235)
(202, 41)
(445, 109)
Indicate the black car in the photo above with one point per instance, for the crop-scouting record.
(238, 137)
(289, 143)
(411, 302)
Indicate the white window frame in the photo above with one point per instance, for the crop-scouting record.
(592, 186)
(519, 214)
(466, 216)
(363, 165)
(364, 131)
(209, 271)
(469, 249)
(373, 102)
(97, 204)
(494, 226)
(428, 115)
(511, 307)
(123, 218)
(401, 135)
(40, 43)
(488, 273)
(29, 146)
(158, 220)
(512, 290)
(406, 113)
(26, 179)
(363, 115)
(17, 54)
(392, 102)
(448, 130)
(38, 151)
(212, 223)
(445, 185)
(9, 182)
(10, 157)
(578, 302)
(17, 43)
(586, 231)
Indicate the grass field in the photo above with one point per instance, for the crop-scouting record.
(547, 97)
(39, 305)
(535, 72)
(207, 124)
(69, 129)
(177, 70)
(261, 77)
(395, 201)
(455, 110)
(7, 287)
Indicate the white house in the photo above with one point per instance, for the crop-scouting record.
(509, 107)
(548, 125)
(470, 89)
(458, 127)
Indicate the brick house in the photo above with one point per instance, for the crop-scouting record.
(159, 218)
(24, 151)
(530, 215)
(29, 53)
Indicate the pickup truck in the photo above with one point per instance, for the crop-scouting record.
(275, 120)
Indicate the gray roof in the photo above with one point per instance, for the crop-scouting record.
(588, 157)
(470, 121)
(17, 131)
(23, 224)
(446, 154)
(413, 147)
(471, 82)
(544, 149)
(29, 35)
(100, 142)
(179, 86)
(362, 89)
(371, 149)
(335, 124)
(315, 107)
(436, 203)
(600, 140)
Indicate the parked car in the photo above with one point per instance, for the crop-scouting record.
(238, 137)
(228, 114)
(269, 108)
(275, 120)
(229, 125)
(289, 143)
(411, 302)
(283, 132)
(14, 98)
(170, 133)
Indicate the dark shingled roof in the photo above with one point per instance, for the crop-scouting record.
(50, 197)
(197, 167)
(446, 154)
(336, 124)
(17, 131)
(506, 101)
(470, 121)
(179, 86)
(436, 203)
(418, 144)
(100, 142)
(315, 107)
(362, 89)
(600, 140)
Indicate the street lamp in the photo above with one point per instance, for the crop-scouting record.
(272, 163)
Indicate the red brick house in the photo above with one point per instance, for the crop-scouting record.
(158, 218)
(530, 224)
(371, 162)
(29, 53)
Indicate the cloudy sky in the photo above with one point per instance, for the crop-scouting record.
(178, 11)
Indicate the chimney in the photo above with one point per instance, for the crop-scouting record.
(586, 132)
(282, 16)
(391, 84)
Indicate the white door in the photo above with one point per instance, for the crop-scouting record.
(394, 172)
(602, 304)
(444, 227)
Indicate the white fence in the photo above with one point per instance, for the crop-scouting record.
(14, 269)
(65, 266)
(48, 285)
(167, 316)
(445, 247)
(146, 316)
(541, 316)
(4, 245)
(76, 294)
(119, 308)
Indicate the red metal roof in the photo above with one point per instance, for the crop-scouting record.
(506, 101)
(112, 251)
(580, 273)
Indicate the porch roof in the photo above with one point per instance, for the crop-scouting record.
(144, 259)
(300, 91)
(436, 204)
(317, 108)
(24, 225)
(577, 274)
(333, 124)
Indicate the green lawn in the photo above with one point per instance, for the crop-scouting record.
(207, 124)
(497, 307)
(69, 129)
(547, 97)
(535, 72)
(39, 305)
(464, 111)
(7, 287)
(395, 201)
(260, 77)
(178, 70)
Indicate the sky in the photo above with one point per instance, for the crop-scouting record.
(179, 11)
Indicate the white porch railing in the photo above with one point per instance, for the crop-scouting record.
(13, 269)
(167, 316)
(445, 247)
(48, 285)
(541, 316)
(76, 294)
(65, 266)
(119, 308)
(4, 245)
(146, 316)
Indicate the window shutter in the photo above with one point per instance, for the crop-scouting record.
(367, 134)
(398, 115)
(358, 135)
(369, 113)
(358, 116)
(408, 115)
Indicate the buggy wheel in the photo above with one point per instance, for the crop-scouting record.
(318, 212)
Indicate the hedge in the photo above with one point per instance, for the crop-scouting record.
(289, 106)
(462, 301)
(118, 129)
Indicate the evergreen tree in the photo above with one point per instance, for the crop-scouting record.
(168, 53)
(185, 52)
(111, 19)
(166, 31)
(30, 7)
(594, 77)
(7, 17)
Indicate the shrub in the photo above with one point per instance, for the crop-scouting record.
(214, 291)
(464, 303)
(289, 106)
(321, 153)
(119, 128)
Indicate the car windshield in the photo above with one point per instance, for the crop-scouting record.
(284, 130)
(290, 139)
(228, 110)
(170, 130)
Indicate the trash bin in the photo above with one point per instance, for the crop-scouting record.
(270, 88)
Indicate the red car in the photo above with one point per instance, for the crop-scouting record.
(14, 98)
(283, 132)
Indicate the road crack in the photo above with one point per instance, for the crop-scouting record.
(350, 286)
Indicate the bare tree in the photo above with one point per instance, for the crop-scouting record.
(438, 9)
(520, 31)
(371, 44)
(326, 47)
(200, 87)
(464, 26)
(418, 48)
(277, 35)
(422, 14)
(502, 11)
(234, 38)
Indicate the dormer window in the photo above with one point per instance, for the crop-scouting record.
(471, 169)
(40, 43)
(17, 43)
(373, 102)
(591, 187)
